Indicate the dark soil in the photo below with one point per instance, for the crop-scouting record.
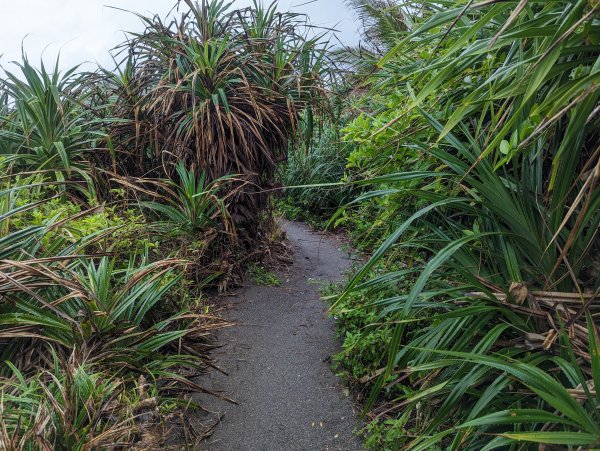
(277, 357)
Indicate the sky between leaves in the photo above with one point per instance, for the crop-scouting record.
(85, 30)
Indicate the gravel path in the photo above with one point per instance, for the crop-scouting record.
(278, 361)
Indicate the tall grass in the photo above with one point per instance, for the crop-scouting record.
(322, 163)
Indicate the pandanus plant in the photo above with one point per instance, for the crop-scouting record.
(45, 125)
(191, 205)
(220, 90)
(84, 305)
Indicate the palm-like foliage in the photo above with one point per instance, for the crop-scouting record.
(221, 90)
(109, 321)
(65, 408)
(509, 94)
(382, 24)
(192, 205)
(88, 307)
(44, 125)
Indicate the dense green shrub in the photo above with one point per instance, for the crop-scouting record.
(323, 166)
(481, 142)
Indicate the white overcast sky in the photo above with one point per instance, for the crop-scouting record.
(85, 30)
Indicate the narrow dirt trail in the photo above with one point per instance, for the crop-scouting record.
(278, 360)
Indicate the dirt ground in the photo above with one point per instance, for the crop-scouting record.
(277, 358)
